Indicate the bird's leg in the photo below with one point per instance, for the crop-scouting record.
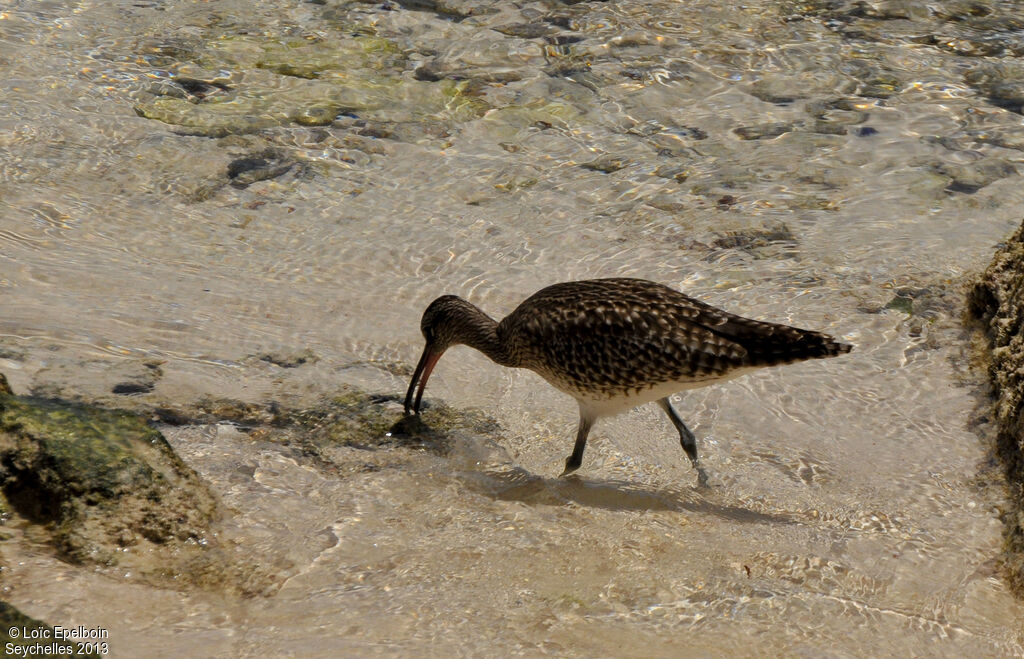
(686, 438)
(573, 462)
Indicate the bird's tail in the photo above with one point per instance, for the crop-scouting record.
(791, 344)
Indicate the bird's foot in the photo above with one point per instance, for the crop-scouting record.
(570, 466)
(702, 477)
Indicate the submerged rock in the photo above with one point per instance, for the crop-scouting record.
(1009, 137)
(995, 302)
(279, 81)
(1003, 84)
(969, 178)
(209, 120)
(606, 164)
(482, 57)
(289, 359)
(773, 240)
(455, 9)
(104, 480)
(262, 166)
(311, 59)
(780, 90)
(763, 131)
(66, 380)
(351, 419)
(316, 115)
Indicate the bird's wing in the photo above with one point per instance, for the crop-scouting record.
(624, 337)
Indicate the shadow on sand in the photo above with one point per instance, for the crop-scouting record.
(516, 484)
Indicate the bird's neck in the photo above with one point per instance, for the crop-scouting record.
(478, 330)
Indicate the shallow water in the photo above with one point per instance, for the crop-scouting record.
(854, 509)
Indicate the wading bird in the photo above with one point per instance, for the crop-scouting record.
(614, 344)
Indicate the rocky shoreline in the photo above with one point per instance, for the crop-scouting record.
(996, 305)
(101, 485)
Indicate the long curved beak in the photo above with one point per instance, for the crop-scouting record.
(427, 362)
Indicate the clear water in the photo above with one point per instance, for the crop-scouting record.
(854, 510)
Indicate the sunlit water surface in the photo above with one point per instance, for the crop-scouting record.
(853, 510)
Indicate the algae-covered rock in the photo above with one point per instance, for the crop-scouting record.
(104, 480)
(355, 419)
(996, 300)
(280, 81)
(352, 418)
(360, 419)
(238, 117)
(303, 58)
(108, 490)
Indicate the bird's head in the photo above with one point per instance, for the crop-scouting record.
(443, 323)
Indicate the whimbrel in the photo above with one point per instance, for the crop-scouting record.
(614, 344)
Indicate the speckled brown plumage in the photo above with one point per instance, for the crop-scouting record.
(616, 343)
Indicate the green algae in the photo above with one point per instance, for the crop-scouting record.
(535, 112)
(302, 58)
(308, 82)
(351, 418)
(358, 419)
(315, 102)
(901, 303)
(89, 452)
(211, 120)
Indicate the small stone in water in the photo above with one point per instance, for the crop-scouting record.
(316, 115)
(246, 171)
(606, 164)
(763, 131)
